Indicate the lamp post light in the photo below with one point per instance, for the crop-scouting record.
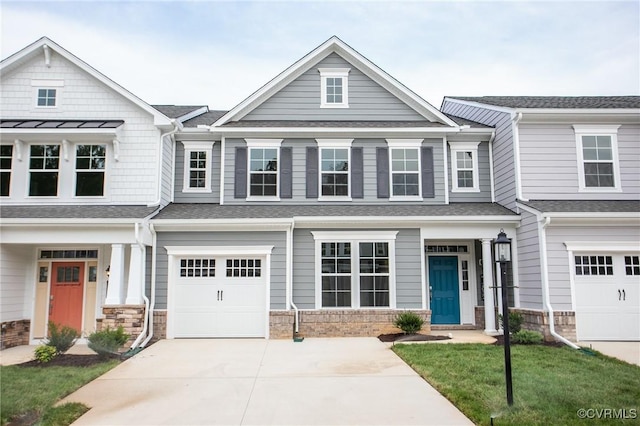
(502, 248)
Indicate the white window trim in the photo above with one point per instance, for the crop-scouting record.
(263, 144)
(355, 238)
(342, 73)
(598, 130)
(105, 171)
(190, 146)
(47, 84)
(405, 144)
(456, 147)
(14, 148)
(334, 144)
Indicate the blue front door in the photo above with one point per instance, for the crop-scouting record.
(445, 296)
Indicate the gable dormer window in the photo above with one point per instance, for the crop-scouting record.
(334, 87)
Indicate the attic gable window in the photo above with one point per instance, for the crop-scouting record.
(47, 92)
(46, 97)
(334, 87)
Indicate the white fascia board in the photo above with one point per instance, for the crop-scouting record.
(599, 111)
(69, 222)
(217, 250)
(159, 119)
(192, 114)
(593, 215)
(174, 225)
(60, 132)
(402, 221)
(334, 44)
(319, 132)
(479, 105)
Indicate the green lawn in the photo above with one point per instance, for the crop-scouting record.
(550, 385)
(33, 391)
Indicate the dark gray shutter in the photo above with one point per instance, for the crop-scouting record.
(240, 175)
(357, 179)
(382, 165)
(312, 172)
(428, 190)
(285, 172)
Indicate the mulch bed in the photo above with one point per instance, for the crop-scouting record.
(402, 337)
(67, 360)
(500, 342)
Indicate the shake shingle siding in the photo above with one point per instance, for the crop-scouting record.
(222, 239)
(503, 157)
(300, 100)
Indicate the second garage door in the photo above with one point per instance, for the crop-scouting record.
(219, 296)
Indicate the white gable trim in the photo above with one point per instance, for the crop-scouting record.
(45, 43)
(335, 45)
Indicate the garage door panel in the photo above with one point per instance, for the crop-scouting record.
(195, 324)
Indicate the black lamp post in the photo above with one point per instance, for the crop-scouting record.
(502, 248)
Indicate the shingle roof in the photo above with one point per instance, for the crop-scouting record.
(206, 119)
(216, 211)
(330, 124)
(464, 122)
(175, 111)
(556, 102)
(584, 206)
(59, 124)
(75, 212)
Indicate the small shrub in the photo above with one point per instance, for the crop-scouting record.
(409, 322)
(62, 338)
(515, 321)
(107, 342)
(527, 337)
(45, 353)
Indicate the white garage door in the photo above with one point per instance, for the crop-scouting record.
(219, 296)
(607, 296)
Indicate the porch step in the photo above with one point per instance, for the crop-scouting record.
(453, 327)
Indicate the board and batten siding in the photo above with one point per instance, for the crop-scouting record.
(408, 270)
(133, 179)
(530, 279)
(550, 169)
(300, 99)
(15, 263)
(503, 156)
(214, 175)
(558, 259)
(484, 179)
(299, 152)
(222, 239)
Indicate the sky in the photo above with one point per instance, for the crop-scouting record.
(217, 53)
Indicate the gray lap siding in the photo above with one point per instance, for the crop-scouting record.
(197, 239)
(530, 280)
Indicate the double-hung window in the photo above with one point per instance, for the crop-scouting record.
(405, 168)
(264, 168)
(464, 166)
(597, 148)
(334, 168)
(90, 170)
(334, 87)
(355, 269)
(6, 159)
(197, 166)
(44, 163)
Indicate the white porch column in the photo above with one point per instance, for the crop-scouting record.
(499, 288)
(487, 274)
(135, 284)
(116, 275)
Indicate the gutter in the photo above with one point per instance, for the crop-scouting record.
(542, 223)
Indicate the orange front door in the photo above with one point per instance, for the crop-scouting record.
(65, 301)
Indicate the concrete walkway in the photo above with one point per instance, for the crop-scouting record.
(341, 381)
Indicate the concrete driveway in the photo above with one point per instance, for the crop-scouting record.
(343, 381)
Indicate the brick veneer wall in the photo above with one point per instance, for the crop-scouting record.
(159, 325)
(339, 323)
(537, 320)
(15, 333)
(130, 317)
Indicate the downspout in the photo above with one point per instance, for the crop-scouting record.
(491, 178)
(177, 126)
(222, 154)
(289, 277)
(153, 282)
(143, 333)
(542, 226)
(515, 132)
